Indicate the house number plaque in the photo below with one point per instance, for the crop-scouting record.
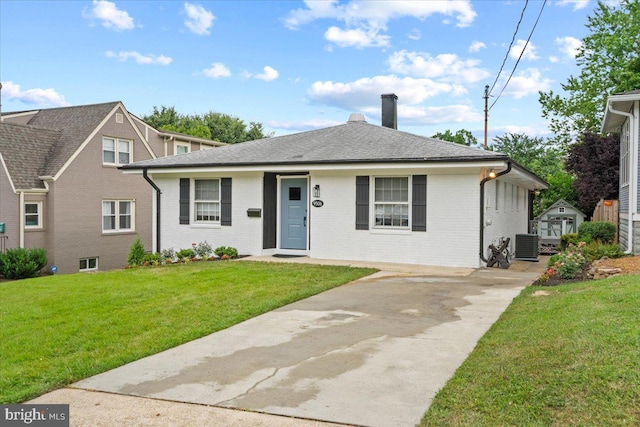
(317, 203)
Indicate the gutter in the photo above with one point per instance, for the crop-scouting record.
(158, 193)
(632, 197)
(482, 183)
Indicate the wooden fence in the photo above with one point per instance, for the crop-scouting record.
(607, 210)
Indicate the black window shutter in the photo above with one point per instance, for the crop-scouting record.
(362, 202)
(184, 200)
(225, 201)
(419, 203)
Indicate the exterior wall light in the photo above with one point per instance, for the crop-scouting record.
(316, 190)
(492, 174)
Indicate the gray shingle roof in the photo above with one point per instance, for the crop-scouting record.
(353, 142)
(75, 125)
(25, 150)
(47, 141)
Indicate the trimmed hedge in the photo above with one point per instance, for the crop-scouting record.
(20, 263)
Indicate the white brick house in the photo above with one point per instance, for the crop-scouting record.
(355, 192)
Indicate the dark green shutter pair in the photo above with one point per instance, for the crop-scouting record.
(418, 203)
(225, 201)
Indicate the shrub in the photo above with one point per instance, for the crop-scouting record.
(596, 250)
(185, 254)
(566, 239)
(167, 255)
(151, 258)
(136, 253)
(230, 252)
(569, 262)
(602, 231)
(20, 263)
(202, 250)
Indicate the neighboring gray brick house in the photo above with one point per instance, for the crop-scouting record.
(621, 116)
(60, 187)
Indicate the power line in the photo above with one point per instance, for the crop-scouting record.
(510, 45)
(521, 53)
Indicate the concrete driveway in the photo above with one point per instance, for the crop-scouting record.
(373, 352)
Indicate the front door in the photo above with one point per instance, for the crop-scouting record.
(293, 213)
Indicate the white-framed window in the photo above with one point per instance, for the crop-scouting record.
(117, 215)
(88, 264)
(391, 202)
(207, 200)
(33, 215)
(560, 210)
(182, 147)
(116, 151)
(624, 153)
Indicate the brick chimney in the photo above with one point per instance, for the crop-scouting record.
(390, 110)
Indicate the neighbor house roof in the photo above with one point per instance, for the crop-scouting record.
(560, 203)
(25, 150)
(353, 142)
(623, 102)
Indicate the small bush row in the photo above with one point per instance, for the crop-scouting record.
(198, 251)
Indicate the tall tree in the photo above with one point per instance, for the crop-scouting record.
(594, 160)
(609, 61)
(212, 125)
(462, 136)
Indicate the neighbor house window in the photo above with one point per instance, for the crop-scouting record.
(116, 151)
(624, 153)
(207, 200)
(33, 215)
(391, 202)
(117, 215)
(88, 264)
(183, 147)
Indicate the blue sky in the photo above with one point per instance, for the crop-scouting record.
(294, 65)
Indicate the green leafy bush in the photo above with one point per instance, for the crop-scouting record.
(602, 231)
(151, 258)
(596, 250)
(136, 253)
(566, 239)
(167, 256)
(185, 254)
(20, 263)
(226, 252)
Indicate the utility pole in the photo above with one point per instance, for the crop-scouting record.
(486, 115)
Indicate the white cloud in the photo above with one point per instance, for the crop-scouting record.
(365, 92)
(39, 97)
(569, 46)
(415, 34)
(110, 15)
(577, 4)
(366, 20)
(447, 66)
(139, 58)
(268, 74)
(527, 82)
(357, 37)
(476, 46)
(554, 59)
(199, 20)
(519, 46)
(216, 71)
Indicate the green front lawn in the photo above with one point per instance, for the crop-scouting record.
(569, 358)
(59, 329)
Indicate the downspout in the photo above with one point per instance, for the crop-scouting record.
(632, 197)
(482, 183)
(158, 193)
(21, 220)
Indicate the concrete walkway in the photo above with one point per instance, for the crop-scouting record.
(372, 353)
